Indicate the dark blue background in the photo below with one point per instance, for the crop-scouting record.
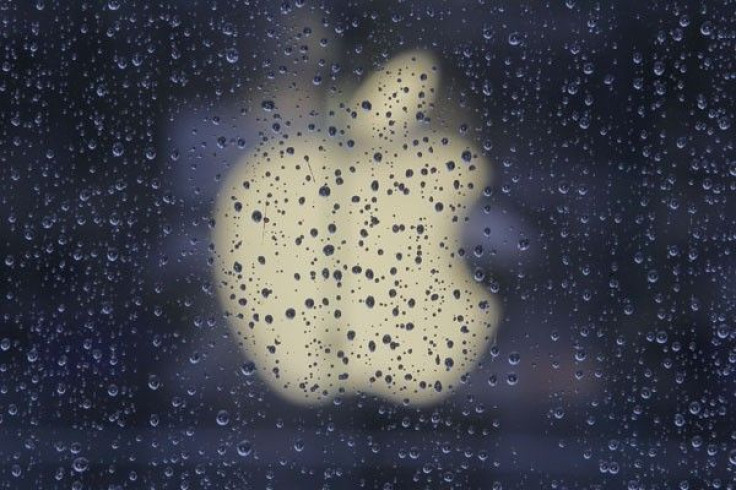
(611, 245)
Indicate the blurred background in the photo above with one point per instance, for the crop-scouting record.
(608, 233)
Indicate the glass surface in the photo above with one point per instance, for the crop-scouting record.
(326, 244)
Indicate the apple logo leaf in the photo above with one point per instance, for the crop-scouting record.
(338, 253)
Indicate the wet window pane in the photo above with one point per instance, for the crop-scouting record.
(330, 244)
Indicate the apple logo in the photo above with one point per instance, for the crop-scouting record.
(338, 248)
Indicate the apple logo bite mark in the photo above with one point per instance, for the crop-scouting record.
(338, 248)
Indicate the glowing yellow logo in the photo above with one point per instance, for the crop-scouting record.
(338, 248)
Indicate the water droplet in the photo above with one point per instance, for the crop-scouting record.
(80, 464)
(231, 55)
(514, 358)
(223, 418)
(118, 149)
(244, 448)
